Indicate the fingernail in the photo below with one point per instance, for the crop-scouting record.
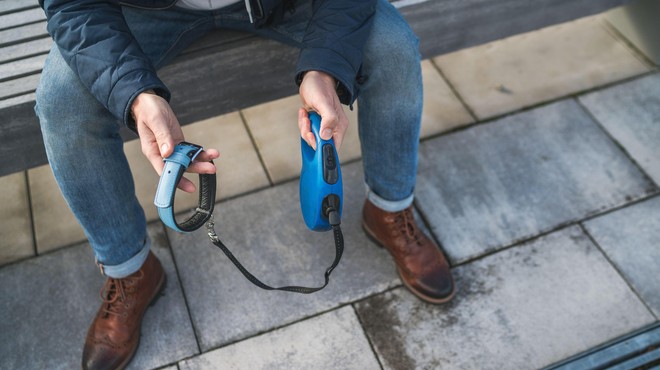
(327, 134)
(163, 148)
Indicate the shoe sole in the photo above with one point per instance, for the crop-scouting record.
(419, 295)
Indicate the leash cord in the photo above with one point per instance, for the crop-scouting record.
(333, 217)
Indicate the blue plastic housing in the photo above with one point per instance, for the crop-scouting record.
(316, 169)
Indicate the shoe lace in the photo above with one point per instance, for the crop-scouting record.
(406, 222)
(114, 292)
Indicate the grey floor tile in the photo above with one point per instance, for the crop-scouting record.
(266, 232)
(523, 70)
(630, 112)
(522, 308)
(51, 232)
(514, 178)
(443, 110)
(15, 229)
(59, 297)
(631, 238)
(333, 340)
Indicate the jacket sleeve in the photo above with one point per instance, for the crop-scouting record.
(334, 41)
(96, 43)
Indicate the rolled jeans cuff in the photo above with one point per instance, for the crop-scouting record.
(127, 268)
(389, 205)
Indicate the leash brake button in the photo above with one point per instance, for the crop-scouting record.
(330, 173)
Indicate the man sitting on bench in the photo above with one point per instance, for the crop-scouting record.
(102, 69)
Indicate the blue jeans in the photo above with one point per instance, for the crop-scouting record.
(86, 152)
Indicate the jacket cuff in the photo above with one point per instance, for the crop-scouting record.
(328, 61)
(125, 91)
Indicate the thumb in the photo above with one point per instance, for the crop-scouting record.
(165, 142)
(329, 121)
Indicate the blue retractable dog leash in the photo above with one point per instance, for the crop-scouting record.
(321, 198)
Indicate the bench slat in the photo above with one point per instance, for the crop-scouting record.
(21, 18)
(27, 98)
(7, 6)
(18, 86)
(26, 49)
(21, 133)
(20, 34)
(243, 82)
(22, 67)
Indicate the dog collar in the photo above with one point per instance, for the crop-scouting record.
(175, 165)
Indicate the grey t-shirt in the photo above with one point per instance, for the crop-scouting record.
(204, 4)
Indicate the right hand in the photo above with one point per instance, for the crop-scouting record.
(317, 92)
(159, 132)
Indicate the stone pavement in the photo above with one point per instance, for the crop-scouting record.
(540, 182)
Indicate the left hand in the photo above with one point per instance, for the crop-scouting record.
(317, 92)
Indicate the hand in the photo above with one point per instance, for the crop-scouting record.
(317, 92)
(159, 132)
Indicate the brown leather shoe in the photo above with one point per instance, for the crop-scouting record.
(115, 332)
(420, 262)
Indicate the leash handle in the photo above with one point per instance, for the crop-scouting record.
(339, 250)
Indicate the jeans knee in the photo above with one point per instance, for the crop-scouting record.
(64, 106)
(392, 50)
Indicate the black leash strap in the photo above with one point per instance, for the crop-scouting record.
(339, 250)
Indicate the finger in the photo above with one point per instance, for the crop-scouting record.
(165, 143)
(304, 124)
(329, 121)
(167, 133)
(207, 155)
(202, 167)
(156, 162)
(186, 185)
(150, 151)
(339, 134)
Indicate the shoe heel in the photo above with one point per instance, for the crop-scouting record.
(371, 236)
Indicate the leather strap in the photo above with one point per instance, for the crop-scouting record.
(175, 165)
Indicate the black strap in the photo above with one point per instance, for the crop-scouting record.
(204, 210)
(339, 250)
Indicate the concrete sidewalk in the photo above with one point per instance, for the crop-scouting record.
(538, 175)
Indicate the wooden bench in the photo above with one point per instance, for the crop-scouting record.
(231, 73)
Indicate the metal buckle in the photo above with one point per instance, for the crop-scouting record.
(210, 230)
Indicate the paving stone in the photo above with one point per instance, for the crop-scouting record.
(630, 112)
(16, 226)
(631, 238)
(265, 231)
(239, 169)
(527, 69)
(514, 178)
(274, 126)
(333, 340)
(57, 302)
(443, 110)
(51, 232)
(522, 308)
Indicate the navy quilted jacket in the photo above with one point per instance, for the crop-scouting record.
(95, 41)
